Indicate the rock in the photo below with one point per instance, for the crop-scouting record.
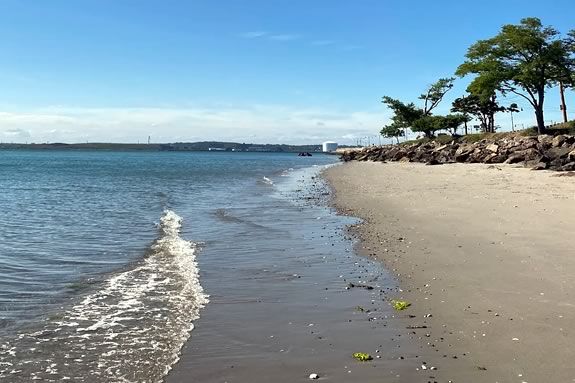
(515, 158)
(544, 139)
(568, 167)
(433, 161)
(495, 158)
(541, 152)
(540, 166)
(462, 153)
(557, 141)
(493, 148)
(554, 153)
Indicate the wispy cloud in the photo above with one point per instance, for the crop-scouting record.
(322, 42)
(270, 36)
(351, 47)
(253, 34)
(261, 123)
(284, 37)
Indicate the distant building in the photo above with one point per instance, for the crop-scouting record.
(329, 146)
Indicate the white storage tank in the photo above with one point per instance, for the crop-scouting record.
(329, 146)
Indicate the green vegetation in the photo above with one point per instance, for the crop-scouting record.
(420, 119)
(400, 305)
(523, 60)
(362, 356)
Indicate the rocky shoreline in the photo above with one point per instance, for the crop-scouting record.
(538, 153)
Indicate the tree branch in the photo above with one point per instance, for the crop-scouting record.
(532, 100)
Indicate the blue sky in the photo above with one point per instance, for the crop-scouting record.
(245, 70)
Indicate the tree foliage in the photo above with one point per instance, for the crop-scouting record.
(522, 59)
(482, 109)
(429, 125)
(403, 114)
(392, 130)
(409, 115)
(435, 94)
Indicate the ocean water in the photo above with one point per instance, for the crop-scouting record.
(103, 254)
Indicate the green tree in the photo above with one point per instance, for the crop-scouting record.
(403, 114)
(406, 115)
(452, 122)
(522, 59)
(428, 125)
(393, 130)
(483, 109)
(435, 94)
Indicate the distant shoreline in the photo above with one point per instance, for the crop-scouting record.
(169, 147)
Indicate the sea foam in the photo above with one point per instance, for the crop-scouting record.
(130, 330)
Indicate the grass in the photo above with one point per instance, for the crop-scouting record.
(563, 128)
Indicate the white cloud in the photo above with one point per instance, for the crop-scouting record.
(284, 37)
(253, 34)
(15, 134)
(257, 123)
(268, 36)
(322, 42)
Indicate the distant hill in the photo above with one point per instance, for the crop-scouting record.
(178, 146)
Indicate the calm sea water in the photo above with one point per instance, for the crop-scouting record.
(101, 253)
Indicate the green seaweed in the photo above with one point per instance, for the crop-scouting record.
(362, 356)
(400, 305)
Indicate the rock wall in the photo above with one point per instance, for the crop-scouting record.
(541, 152)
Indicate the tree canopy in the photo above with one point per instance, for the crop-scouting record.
(435, 94)
(482, 109)
(409, 115)
(392, 130)
(522, 59)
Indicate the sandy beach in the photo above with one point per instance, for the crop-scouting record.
(485, 255)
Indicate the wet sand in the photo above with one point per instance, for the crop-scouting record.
(284, 309)
(487, 251)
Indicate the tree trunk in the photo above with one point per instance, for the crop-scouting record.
(539, 111)
(492, 116)
(540, 120)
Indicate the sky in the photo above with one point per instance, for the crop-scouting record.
(262, 71)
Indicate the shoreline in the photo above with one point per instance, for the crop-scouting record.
(465, 243)
(296, 314)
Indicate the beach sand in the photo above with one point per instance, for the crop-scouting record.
(487, 250)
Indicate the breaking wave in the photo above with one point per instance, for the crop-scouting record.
(130, 330)
(265, 180)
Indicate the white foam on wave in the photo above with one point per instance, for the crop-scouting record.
(133, 328)
(267, 181)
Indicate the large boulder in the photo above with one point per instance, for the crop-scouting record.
(492, 148)
(557, 152)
